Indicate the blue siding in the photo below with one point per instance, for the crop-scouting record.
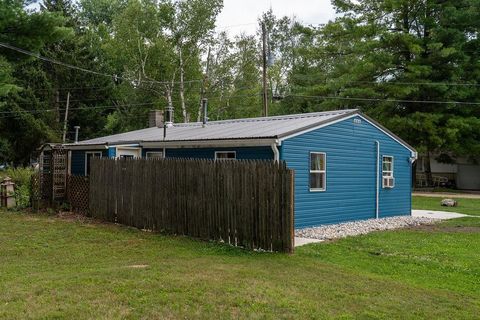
(351, 161)
(243, 153)
(77, 166)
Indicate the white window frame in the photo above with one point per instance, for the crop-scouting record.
(148, 153)
(86, 158)
(391, 172)
(227, 159)
(310, 171)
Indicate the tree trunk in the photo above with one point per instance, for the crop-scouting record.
(428, 169)
(182, 87)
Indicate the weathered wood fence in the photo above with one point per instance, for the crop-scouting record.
(244, 203)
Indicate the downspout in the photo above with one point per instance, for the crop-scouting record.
(276, 153)
(377, 185)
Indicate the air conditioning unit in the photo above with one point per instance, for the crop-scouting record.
(388, 182)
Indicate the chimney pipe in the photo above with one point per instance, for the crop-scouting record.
(76, 133)
(205, 115)
(169, 117)
(155, 119)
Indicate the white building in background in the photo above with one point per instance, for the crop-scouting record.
(464, 174)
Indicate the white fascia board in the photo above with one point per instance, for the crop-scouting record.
(86, 147)
(209, 143)
(412, 151)
(316, 127)
(125, 146)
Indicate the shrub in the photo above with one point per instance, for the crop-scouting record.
(21, 178)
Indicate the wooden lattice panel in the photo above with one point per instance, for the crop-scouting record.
(78, 189)
(59, 174)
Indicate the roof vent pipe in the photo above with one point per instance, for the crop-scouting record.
(169, 117)
(205, 115)
(76, 133)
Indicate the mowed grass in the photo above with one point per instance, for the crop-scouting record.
(466, 206)
(53, 268)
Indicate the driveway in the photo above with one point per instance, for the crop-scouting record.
(437, 214)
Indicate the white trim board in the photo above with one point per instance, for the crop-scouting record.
(209, 143)
(322, 125)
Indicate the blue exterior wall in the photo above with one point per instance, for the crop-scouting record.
(350, 174)
(77, 164)
(243, 153)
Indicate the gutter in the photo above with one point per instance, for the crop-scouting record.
(377, 185)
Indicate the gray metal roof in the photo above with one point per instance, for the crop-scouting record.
(249, 128)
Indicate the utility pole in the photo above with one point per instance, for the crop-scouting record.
(66, 118)
(264, 58)
(203, 90)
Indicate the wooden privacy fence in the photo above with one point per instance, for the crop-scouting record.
(244, 203)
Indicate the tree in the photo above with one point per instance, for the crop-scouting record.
(24, 124)
(397, 60)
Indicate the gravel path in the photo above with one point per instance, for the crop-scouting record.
(354, 228)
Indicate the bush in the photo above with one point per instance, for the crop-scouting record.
(21, 178)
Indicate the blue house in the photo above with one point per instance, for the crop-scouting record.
(347, 166)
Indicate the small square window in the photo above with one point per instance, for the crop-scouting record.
(225, 155)
(154, 155)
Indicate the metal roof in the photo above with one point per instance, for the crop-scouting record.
(248, 128)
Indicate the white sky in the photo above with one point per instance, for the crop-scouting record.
(242, 15)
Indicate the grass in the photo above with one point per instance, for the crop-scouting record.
(58, 268)
(466, 206)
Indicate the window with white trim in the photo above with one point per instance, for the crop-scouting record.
(388, 180)
(318, 171)
(225, 155)
(88, 156)
(154, 155)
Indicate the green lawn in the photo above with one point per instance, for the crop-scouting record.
(58, 268)
(466, 206)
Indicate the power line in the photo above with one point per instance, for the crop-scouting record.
(67, 65)
(18, 113)
(420, 83)
(382, 100)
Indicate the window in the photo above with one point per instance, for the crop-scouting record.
(388, 180)
(318, 171)
(154, 155)
(225, 155)
(88, 157)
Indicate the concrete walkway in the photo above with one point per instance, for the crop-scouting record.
(303, 241)
(443, 215)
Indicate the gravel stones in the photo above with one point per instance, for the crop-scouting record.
(354, 228)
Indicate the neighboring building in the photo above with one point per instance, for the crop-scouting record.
(347, 166)
(464, 174)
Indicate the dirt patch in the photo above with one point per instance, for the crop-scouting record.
(138, 266)
(436, 228)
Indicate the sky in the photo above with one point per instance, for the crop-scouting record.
(241, 15)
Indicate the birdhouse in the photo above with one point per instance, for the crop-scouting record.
(7, 191)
